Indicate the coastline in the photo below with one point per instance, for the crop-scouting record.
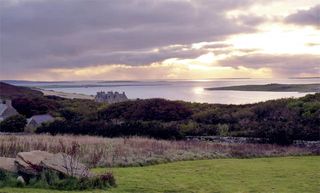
(274, 87)
(64, 94)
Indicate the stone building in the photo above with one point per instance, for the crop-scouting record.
(36, 121)
(111, 97)
(6, 109)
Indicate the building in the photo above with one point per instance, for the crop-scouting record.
(6, 109)
(111, 97)
(36, 121)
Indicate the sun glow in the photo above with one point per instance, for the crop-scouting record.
(280, 39)
(203, 67)
(198, 90)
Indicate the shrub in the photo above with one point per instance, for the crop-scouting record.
(14, 123)
(54, 180)
(8, 179)
(147, 110)
(281, 121)
(223, 129)
(33, 106)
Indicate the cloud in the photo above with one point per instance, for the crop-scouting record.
(202, 67)
(47, 33)
(42, 38)
(306, 17)
(284, 65)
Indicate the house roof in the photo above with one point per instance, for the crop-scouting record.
(3, 108)
(41, 118)
(7, 111)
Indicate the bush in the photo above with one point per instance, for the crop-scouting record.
(14, 123)
(147, 110)
(34, 106)
(8, 179)
(54, 180)
(281, 121)
(223, 130)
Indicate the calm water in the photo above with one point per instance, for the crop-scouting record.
(186, 90)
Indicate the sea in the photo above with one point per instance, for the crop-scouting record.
(186, 90)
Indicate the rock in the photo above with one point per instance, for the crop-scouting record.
(30, 162)
(8, 164)
(34, 162)
(21, 180)
(66, 165)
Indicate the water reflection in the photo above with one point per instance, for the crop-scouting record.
(198, 90)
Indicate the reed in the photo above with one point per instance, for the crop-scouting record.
(138, 151)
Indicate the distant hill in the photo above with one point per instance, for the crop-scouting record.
(11, 91)
(273, 88)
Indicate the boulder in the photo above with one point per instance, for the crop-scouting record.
(8, 164)
(66, 165)
(21, 180)
(34, 162)
(30, 162)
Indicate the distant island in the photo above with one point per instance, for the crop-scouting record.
(273, 88)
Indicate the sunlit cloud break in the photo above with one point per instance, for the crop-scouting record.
(174, 68)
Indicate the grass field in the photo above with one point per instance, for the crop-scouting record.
(286, 174)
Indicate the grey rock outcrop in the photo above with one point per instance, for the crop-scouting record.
(29, 162)
(21, 180)
(34, 162)
(8, 164)
(67, 165)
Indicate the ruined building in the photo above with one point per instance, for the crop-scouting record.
(111, 97)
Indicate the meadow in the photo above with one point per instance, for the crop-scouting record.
(138, 151)
(281, 174)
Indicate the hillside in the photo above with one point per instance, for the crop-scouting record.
(273, 88)
(11, 92)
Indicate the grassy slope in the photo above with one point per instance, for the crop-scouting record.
(10, 91)
(288, 174)
(273, 88)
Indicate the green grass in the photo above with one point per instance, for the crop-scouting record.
(286, 174)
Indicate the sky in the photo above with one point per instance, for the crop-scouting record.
(158, 39)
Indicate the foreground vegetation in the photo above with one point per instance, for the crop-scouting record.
(286, 174)
(138, 151)
(54, 180)
(279, 121)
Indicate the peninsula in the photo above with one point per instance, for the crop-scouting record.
(273, 88)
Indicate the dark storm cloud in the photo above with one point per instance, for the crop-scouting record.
(290, 65)
(47, 33)
(306, 17)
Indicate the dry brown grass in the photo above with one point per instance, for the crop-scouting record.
(134, 151)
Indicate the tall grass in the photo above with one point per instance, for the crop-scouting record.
(135, 151)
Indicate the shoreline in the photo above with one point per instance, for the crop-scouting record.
(64, 94)
(274, 87)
